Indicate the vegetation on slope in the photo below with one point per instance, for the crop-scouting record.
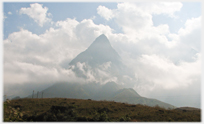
(63, 109)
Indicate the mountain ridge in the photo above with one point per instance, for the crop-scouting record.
(78, 91)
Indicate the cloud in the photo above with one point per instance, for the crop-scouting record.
(37, 12)
(135, 19)
(177, 84)
(191, 32)
(106, 65)
(162, 72)
(10, 13)
(100, 74)
(168, 8)
(105, 12)
(139, 20)
(159, 40)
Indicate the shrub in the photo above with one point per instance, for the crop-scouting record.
(126, 118)
(100, 117)
(12, 113)
(82, 119)
(103, 116)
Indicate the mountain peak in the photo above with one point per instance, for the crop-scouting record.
(99, 52)
(102, 35)
(101, 42)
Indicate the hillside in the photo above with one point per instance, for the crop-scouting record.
(73, 110)
(109, 91)
(132, 97)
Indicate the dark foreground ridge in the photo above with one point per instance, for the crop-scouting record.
(74, 110)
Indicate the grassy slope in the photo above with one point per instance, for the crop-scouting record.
(62, 109)
(131, 97)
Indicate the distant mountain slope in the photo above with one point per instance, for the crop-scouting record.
(109, 91)
(132, 97)
(187, 109)
(143, 101)
(64, 90)
(126, 92)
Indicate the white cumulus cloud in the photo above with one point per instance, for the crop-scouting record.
(37, 12)
(105, 12)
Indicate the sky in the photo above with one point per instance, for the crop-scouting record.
(160, 41)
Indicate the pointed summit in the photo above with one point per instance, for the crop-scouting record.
(101, 43)
(101, 38)
(99, 52)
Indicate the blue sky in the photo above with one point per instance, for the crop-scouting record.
(159, 41)
(189, 9)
